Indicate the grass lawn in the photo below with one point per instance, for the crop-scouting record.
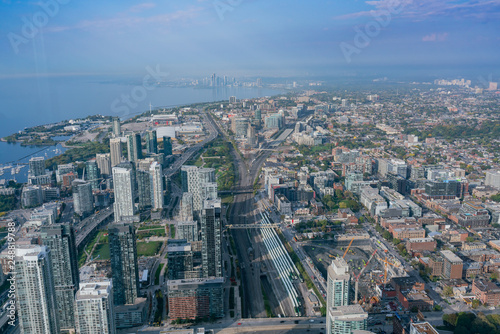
(148, 248)
(157, 274)
(160, 232)
(151, 227)
(101, 250)
(172, 231)
(227, 199)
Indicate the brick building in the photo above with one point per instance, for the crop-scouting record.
(412, 294)
(196, 298)
(408, 233)
(487, 292)
(473, 215)
(421, 244)
(453, 265)
(436, 263)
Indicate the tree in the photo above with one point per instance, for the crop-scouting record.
(448, 291)
(475, 303)
(450, 319)
(387, 235)
(461, 330)
(494, 276)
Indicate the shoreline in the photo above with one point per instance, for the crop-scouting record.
(21, 143)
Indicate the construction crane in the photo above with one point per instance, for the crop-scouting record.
(387, 263)
(348, 248)
(357, 277)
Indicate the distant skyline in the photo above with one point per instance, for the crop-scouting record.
(249, 37)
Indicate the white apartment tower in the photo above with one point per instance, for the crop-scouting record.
(155, 171)
(123, 184)
(115, 149)
(94, 313)
(36, 297)
(338, 283)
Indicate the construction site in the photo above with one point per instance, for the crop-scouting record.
(370, 265)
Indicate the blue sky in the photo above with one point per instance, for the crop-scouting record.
(246, 37)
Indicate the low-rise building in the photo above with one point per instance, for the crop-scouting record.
(196, 298)
(495, 244)
(436, 263)
(412, 294)
(473, 215)
(473, 245)
(422, 328)
(421, 244)
(487, 292)
(472, 269)
(131, 315)
(408, 233)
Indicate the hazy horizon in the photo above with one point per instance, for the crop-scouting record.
(251, 38)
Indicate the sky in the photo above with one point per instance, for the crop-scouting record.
(247, 37)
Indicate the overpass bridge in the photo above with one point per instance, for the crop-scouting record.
(87, 226)
(247, 226)
(237, 190)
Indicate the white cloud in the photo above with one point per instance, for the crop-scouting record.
(141, 7)
(421, 9)
(435, 37)
(123, 21)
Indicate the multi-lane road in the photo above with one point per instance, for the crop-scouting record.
(88, 225)
(213, 133)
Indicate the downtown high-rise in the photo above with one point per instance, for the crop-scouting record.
(211, 235)
(94, 308)
(341, 318)
(134, 147)
(36, 166)
(36, 295)
(60, 240)
(151, 142)
(338, 283)
(115, 149)
(144, 189)
(167, 146)
(155, 170)
(117, 129)
(193, 178)
(92, 173)
(124, 268)
(83, 200)
(124, 190)
(104, 163)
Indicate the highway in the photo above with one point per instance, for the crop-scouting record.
(188, 154)
(89, 224)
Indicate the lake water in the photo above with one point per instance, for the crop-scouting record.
(17, 155)
(28, 102)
